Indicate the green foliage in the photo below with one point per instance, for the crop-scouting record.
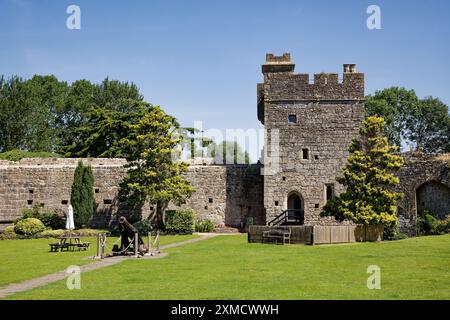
(64, 233)
(204, 225)
(229, 152)
(8, 233)
(153, 175)
(422, 123)
(29, 227)
(143, 227)
(180, 221)
(16, 155)
(45, 114)
(429, 224)
(82, 195)
(391, 231)
(369, 179)
(50, 219)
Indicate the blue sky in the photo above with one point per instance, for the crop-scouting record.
(201, 60)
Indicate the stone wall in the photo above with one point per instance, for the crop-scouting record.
(305, 156)
(425, 182)
(224, 194)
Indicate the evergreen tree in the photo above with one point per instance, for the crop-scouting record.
(153, 175)
(369, 179)
(82, 195)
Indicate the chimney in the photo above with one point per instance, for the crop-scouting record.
(349, 68)
(278, 63)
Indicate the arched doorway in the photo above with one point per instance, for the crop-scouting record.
(295, 208)
(435, 197)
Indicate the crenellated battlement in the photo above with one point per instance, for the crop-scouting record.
(282, 84)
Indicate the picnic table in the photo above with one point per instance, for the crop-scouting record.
(69, 243)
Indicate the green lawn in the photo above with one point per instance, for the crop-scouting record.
(26, 259)
(227, 267)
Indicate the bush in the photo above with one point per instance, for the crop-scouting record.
(16, 155)
(50, 219)
(8, 233)
(143, 227)
(29, 226)
(205, 225)
(392, 232)
(82, 195)
(64, 233)
(180, 221)
(429, 224)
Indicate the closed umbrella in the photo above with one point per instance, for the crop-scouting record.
(70, 225)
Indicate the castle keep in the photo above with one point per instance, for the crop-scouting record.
(309, 125)
(313, 125)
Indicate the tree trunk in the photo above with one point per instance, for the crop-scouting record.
(159, 216)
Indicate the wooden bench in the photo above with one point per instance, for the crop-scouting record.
(282, 234)
(56, 247)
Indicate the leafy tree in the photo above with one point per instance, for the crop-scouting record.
(153, 175)
(229, 152)
(82, 195)
(429, 129)
(99, 136)
(369, 179)
(423, 124)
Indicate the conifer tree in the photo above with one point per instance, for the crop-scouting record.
(369, 179)
(82, 195)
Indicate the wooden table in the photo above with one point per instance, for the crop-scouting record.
(69, 244)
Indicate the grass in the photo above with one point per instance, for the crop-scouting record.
(26, 259)
(227, 267)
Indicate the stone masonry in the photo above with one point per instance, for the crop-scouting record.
(309, 127)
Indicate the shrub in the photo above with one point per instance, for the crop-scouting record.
(180, 221)
(29, 226)
(8, 233)
(50, 219)
(427, 223)
(143, 227)
(16, 155)
(392, 232)
(205, 225)
(64, 233)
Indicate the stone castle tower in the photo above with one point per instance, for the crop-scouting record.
(309, 126)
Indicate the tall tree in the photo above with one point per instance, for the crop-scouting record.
(82, 195)
(369, 179)
(153, 175)
(421, 124)
(229, 152)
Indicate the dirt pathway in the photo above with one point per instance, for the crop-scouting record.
(44, 280)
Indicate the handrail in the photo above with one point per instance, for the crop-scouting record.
(287, 215)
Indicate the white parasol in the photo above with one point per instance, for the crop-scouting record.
(70, 225)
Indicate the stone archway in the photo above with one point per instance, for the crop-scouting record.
(435, 197)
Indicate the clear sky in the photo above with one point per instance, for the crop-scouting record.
(201, 60)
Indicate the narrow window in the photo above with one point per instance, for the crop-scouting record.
(305, 154)
(30, 202)
(97, 190)
(210, 200)
(284, 178)
(276, 203)
(292, 118)
(316, 157)
(316, 205)
(31, 191)
(64, 202)
(107, 201)
(329, 192)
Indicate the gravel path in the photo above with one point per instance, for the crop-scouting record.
(44, 280)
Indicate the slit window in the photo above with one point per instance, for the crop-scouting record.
(107, 201)
(276, 203)
(329, 191)
(64, 201)
(210, 200)
(30, 202)
(97, 190)
(305, 154)
(292, 118)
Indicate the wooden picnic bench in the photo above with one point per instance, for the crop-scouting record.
(277, 234)
(69, 244)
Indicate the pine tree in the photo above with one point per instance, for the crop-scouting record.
(82, 195)
(369, 179)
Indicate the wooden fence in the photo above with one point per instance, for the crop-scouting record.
(323, 234)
